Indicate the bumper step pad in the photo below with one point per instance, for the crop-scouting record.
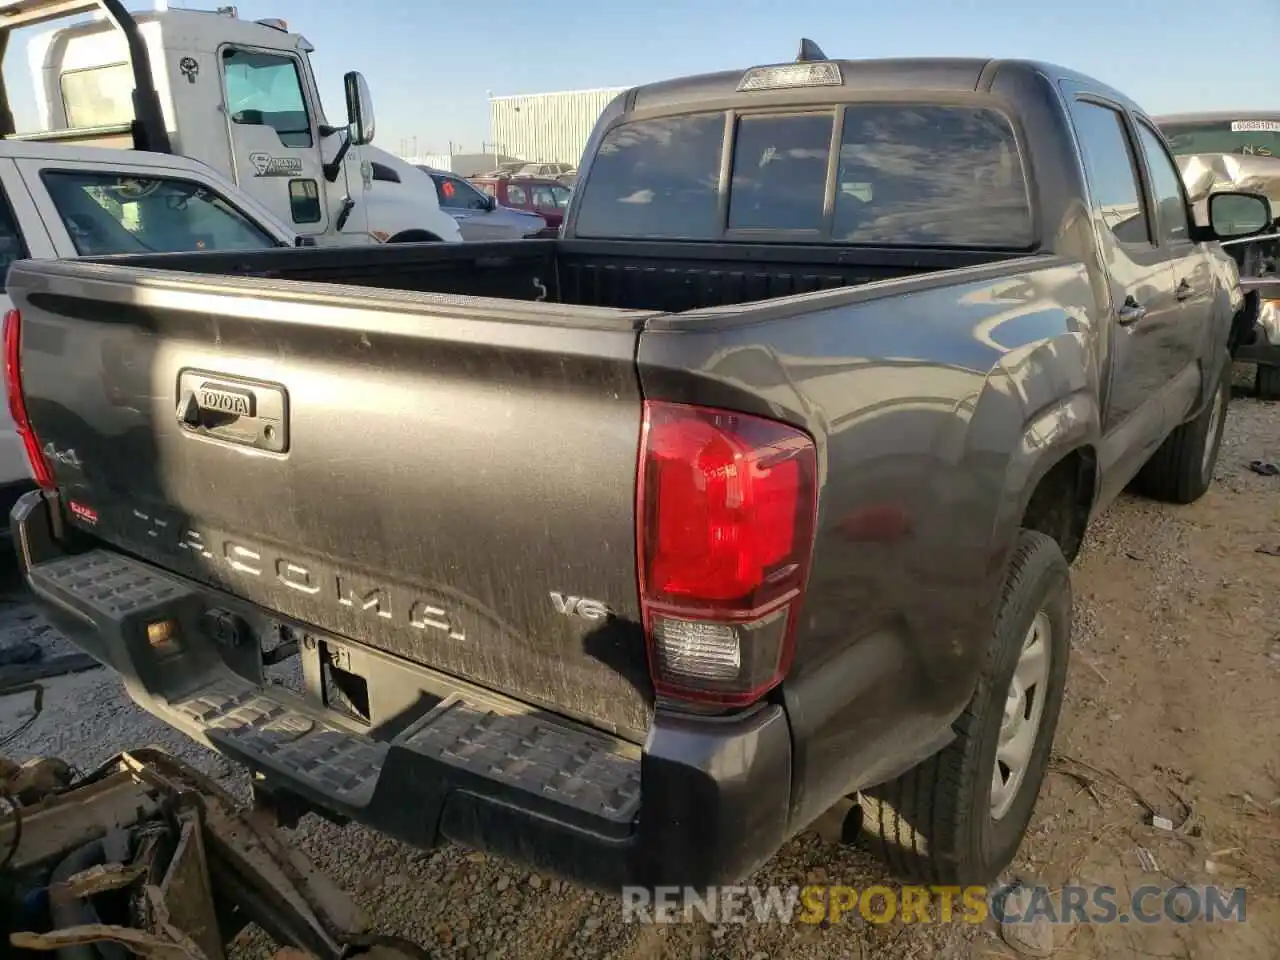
(483, 743)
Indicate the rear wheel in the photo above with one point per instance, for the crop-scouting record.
(958, 818)
(1266, 382)
(1181, 470)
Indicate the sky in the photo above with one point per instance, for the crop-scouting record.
(431, 64)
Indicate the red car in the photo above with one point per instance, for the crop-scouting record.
(547, 198)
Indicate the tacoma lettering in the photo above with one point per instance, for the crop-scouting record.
(209, 553)
(375, 599)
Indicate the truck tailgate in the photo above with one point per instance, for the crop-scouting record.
(451, 481)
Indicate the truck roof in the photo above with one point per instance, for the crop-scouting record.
(71, 153)
(934, 74)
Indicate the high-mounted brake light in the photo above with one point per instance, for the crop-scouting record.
(822, 73)
(40, 468)
(726, 505)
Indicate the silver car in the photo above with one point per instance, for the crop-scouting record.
(479, 216)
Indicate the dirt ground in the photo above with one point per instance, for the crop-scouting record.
(1171, 708)
(1172, 705)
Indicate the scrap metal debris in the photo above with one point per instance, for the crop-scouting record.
(147, 945)
(1148, 860)
(99, 879)
(149, 855)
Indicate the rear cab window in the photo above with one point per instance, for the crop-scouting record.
(902, 174)
(656, 178)
(780, 172)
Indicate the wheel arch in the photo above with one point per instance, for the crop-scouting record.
(414, 236)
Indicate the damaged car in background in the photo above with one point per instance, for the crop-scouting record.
(1240, 151)
(145, 856)
(480, 215)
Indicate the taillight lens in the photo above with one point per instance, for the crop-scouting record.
(726, 505)
(17, 402)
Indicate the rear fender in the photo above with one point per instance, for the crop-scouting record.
(1047, 409)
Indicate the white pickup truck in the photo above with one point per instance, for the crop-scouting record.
(60, 201)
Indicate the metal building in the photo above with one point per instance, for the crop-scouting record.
(547, 127)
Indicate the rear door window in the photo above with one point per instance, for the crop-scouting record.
(780, 172)
(1112, 171)
(656, 178)
(457, 194)
(107, 213)
(930, 175)
(549, 197)
(1167, 183)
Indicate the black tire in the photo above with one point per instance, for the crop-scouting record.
(1266, 382)
(935, 823)
(1181, 469)
(414, 236)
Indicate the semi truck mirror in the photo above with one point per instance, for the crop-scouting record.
(359, 108)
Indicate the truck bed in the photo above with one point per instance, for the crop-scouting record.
(630, 275)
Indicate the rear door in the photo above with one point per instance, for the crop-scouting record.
(1147, 349)
(1192, 273)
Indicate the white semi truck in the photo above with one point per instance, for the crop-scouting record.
(238, 95)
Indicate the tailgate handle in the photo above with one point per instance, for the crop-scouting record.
(233, 410)
(189, 409)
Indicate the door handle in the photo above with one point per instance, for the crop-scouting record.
(1185, 291)
(1131, 311)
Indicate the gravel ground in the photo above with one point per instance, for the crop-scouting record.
(1175, 616)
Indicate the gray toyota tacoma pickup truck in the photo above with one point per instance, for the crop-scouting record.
(628, 554)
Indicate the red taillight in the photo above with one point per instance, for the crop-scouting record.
(17, 402)
(725, 510)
